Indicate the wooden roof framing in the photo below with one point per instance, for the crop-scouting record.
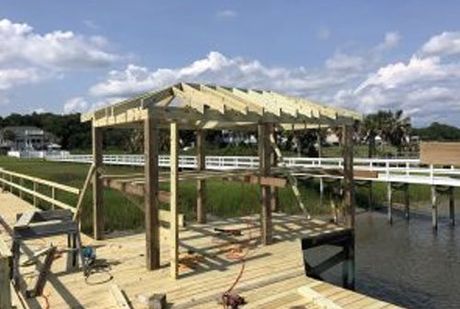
(206, 106)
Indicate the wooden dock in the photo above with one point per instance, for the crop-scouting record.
(273, 276)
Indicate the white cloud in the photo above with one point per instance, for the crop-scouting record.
(12, 77)
(446, 43)
(391, 40)
(75, 105)
(19, 43)
(226, 14)
(361, 81)
(344, 62)
(219, 69)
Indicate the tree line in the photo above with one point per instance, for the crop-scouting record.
(392, 127)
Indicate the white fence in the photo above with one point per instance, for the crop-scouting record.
(33, 154)
(398, 170)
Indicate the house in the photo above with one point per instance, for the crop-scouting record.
(25, 138)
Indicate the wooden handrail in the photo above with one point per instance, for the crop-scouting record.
(41, 181)
(34, 193)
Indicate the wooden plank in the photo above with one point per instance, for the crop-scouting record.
(174, 181)
(152, 223)
(24, 220)
(89, 176)
(264, 170)
(39, 195)
(348, 181)
(291, 179)
(317, 298)
(98, 189)
(43, 275)
(41, 181)
(201, 183)
(440, 153)
(5, 271)
(119, 296)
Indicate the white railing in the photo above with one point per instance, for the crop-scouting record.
(385, 167)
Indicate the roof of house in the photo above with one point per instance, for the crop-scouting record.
(207, 106)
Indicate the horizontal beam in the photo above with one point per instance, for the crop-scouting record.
(138, 190)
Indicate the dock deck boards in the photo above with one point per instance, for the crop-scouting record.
(271, 277)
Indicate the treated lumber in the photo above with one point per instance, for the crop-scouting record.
(317, 297)
(152, 223)
(264, 170)
(174, 181)
(98, 207)
(119, 296)
(200, 183)
(24, 220)
(89, 176)
(5, 272)
(348, 181)
(440, 153)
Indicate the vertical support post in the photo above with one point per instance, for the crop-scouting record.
(152, 223)
(406, 201)
(371, 195)
(321, 192)
(452, 206)
(5, 275)
(274, 196)
(11, 181)
(174, 179)
(35, 187)
(434, 208)
(201, 183)
(348, 182)
(264, 170)
(348, 265)
(390, 202)
(53, 196)
(21, 183)
(318, 140)
(98, 207)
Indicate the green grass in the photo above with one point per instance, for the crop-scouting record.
(224, 199)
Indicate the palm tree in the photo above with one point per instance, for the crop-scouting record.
(392, 127)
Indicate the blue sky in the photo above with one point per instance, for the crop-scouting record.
(67, 56)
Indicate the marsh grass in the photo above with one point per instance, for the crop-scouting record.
(224, 199)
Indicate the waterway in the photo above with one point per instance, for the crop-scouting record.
(406, 263)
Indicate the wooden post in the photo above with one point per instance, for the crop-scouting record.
(174, 179)
(152, 223)
(348, 182)
(371, 195)
(21, 183)
(390, 202)
(5, 275)
(53, 196)
(452, 206)
(201, 183)
(274, 192)
(406, 201)
(434, 208)
(264, 170)
(321, 192)
(98, 207)
(35, 187)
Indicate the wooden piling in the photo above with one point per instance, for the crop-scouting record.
(152, 223)
(390, 202)
(98, 207)
(201, 183)
(348, 182)
(406, 201)
(452, 206)
(434, 208)
(264, 170)
(174, 181)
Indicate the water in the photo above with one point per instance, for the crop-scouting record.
(406, 263)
